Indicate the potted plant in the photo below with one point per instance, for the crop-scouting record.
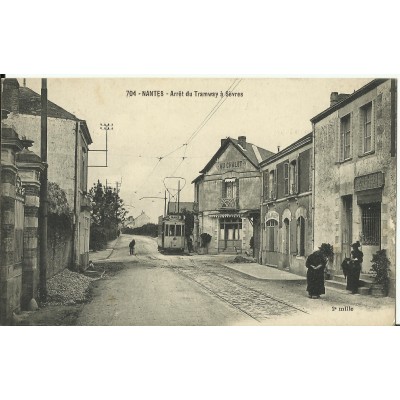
(205, 240)
(380, 270)
(327, 250)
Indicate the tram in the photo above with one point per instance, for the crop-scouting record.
(171, 233)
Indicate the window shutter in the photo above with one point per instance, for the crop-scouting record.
(351, 134)
(341, 141)
(266, 184)
(277, 238)
(237, 192)
(373, 119)
(297, 175)
(360, 131)
(280, 180)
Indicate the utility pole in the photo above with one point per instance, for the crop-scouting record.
(43, 195)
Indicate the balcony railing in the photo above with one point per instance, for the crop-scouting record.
(272, 195)
(293, 188)
(231, 203)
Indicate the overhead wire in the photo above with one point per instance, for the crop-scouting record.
(210, 114)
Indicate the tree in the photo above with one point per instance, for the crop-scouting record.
(107, 214)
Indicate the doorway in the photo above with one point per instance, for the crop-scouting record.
(347, 224)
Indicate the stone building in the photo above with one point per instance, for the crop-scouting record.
(355, 172)
(227, 194)
(20, 185)
(67, 148)
(286, 223)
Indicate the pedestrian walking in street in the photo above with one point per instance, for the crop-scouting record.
(316, 263)
(354, 268)
(132, 247)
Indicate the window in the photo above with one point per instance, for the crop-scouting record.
(301, 230)
(178, 230)
(271, 227)
(371, 224)
(345, 138)
(293, 177)
(286, 178)
(366, 115)
(272, 181)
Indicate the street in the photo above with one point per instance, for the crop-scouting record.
(158, 289)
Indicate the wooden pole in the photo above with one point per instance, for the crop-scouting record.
(43, 196)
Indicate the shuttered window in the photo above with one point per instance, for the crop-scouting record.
(345, 138)
(367, 127)
(286, 178)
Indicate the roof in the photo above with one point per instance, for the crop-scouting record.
(346, 100)
(287, 150)
(249, 153)
(30, 103)
(28, 156)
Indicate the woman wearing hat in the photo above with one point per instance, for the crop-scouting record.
(316, 263)
(353, 272)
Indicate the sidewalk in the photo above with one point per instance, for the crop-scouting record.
(103, 254)
(264, 272)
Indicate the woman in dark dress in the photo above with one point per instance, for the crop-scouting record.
(316, 263)
(354, 269)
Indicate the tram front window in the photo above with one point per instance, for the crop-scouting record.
(178, 230)
(171, 230)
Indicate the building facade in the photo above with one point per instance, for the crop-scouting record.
(19, 191)
(286, 217)
(227, 196)
(355, 173)
(67, 148)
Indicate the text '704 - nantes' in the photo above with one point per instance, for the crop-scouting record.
(181, 93)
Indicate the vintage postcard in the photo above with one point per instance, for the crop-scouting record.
(198, 201)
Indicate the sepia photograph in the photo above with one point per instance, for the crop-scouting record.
(185, 201)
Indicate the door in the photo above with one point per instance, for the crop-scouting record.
(347, 223)
(286, 241)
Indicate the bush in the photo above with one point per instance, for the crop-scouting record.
(380, 268)
(205, 239)
(98, 238)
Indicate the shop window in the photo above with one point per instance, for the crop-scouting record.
(371, 224)
(301, 233)
(345, 138)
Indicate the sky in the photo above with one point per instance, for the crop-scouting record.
(175, 134)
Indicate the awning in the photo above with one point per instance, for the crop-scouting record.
(233, 214)
(369, 196)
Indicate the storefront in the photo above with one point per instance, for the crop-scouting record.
(228, 196)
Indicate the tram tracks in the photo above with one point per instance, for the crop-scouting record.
(252, 302)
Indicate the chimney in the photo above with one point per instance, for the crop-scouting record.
(242, 141)
(334, 98)
(10, 95)
(222, 142)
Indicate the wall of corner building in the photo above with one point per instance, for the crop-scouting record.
(334, 180)
(61, 140)
(60, 147)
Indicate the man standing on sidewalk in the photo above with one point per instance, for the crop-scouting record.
(132, 247)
